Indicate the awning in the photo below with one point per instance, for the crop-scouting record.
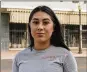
(65, 17)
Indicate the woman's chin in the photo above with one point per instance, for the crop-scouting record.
(41, 40)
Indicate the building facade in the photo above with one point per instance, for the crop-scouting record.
(14, 23)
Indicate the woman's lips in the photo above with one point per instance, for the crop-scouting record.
(40, 34)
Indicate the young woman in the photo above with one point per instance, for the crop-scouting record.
(47, 51)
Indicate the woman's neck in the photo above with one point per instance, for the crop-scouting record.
(41, 46)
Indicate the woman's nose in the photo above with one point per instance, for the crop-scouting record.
(40, 26)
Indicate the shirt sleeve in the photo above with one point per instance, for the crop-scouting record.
(15, 68)
(70, 64)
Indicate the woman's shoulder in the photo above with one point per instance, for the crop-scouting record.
(61, 50)
(65, 51)
(23, 52)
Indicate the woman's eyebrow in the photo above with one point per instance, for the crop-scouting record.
(46, 19)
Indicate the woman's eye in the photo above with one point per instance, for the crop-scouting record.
(45, 23)
(35, 22)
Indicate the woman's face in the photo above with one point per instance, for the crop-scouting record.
(41, 27)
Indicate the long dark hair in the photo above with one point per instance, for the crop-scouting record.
(56, 38)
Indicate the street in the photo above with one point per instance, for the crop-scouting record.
(82, 64)
(6, 64)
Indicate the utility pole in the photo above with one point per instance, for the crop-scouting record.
(80, 31)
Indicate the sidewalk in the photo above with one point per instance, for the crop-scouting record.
(76, 54)
(11, 53)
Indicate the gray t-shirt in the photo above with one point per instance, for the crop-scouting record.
(52, 59)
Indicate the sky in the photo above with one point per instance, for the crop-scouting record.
(67, 6)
